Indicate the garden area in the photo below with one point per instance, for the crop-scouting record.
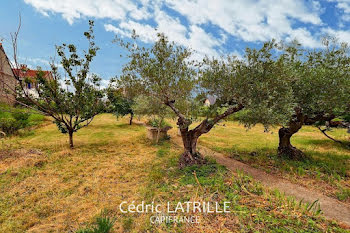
(258, 143)
(55, 189)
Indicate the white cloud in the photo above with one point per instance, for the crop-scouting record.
(38, 62)
(343, 5)
(343, 36)
(246, 20)
(195, 37)
(33, 63)
(104, 83)
(146, 32)
(171, 26)
(112, 9)
(201, 42)
(305, 38)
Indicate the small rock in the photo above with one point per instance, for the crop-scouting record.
(253, 153)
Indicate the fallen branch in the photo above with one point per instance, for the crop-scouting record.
(195, 176)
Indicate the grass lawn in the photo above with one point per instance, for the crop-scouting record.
(327, 167)
(46, 187)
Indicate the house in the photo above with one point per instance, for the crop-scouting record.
(7, 79)
(28, 79)
(210, 101)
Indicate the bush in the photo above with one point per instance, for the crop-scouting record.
(9, 125)
(14, 119)
(155, 123)
(21, 118)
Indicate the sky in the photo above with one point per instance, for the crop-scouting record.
(209, 27)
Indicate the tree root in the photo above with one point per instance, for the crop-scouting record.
(188, 159)
(291, 152)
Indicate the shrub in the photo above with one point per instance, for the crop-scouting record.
(155, 123)
(14, 119)
(9, 125)
(21, 118)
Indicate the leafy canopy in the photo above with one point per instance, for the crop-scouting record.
(119, 104)
(259, 83)
(320, 78)
(74, 101)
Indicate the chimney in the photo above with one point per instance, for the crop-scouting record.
(23, 67)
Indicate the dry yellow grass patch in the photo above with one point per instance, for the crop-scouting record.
(57, 189)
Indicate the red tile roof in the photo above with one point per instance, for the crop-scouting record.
(28, 73)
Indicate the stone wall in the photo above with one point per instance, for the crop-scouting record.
(7, 80)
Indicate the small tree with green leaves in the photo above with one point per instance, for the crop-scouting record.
(119, 104)
(166, 72)
(74, 101)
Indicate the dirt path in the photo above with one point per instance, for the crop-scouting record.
(331, 208)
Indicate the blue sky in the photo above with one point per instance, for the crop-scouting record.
(210, 27)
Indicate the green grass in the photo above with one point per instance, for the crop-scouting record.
(102, 224)
(327, 163)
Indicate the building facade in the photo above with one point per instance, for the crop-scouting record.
(28, 79)
(7, 79)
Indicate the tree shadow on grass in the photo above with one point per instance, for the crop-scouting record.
(118, 126)
(323, 162)
(117, 142)
(326, 143)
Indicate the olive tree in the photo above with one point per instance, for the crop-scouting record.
(166, 72)
(321, 89)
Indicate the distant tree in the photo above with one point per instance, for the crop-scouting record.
(153, 108)
(165, 72)
(120, 105)
(321, 89)
(74, 101)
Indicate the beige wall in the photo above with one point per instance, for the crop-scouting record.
(7, 80)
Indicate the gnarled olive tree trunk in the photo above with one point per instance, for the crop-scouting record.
(191, 156)
(285, 148)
